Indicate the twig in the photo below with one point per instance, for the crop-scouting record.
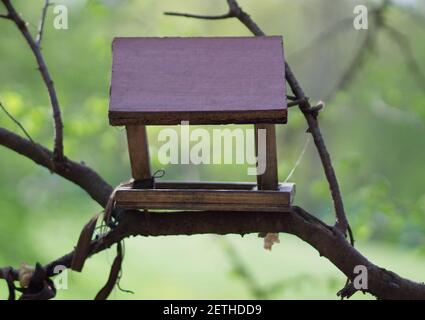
(357, 62)
(347, 291)
(58, 155)
(5, 16)
(243, 17)
(42, 22)
(241, 270)
(78, 173)
(406, 48)
(197, 16)
(49, 163)
(321, 38)
(16, 122)
(418, 17)
(367, 46)
(294, 103)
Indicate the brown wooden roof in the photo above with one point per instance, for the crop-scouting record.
(202, 80)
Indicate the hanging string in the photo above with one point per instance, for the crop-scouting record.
(118, 282)
(300, 158)
(158, 173)
(320, 106)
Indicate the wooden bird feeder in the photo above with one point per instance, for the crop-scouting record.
(206, 81)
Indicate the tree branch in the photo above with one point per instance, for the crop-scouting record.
(355, 65)
(197, 16)
(406, 49)
(78, 173)
(328, 241)
(58, 153)
(42, 22)
(16, 122)
(240, 268)
(342, 222)
(367, 46)
(323, 37)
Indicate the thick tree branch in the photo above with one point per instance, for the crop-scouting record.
(58, 154)
(78, 173)
(328, 241)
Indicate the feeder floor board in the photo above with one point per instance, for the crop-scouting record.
(204, 199)
(164, 184)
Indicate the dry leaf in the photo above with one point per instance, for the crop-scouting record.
(25, 274)
(270, 239)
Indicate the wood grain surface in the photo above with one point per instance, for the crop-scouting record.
(201, 80)
(204, 199)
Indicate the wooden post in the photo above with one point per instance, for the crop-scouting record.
(139, 152)
(269, 179)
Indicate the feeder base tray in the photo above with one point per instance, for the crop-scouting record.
(219, 196)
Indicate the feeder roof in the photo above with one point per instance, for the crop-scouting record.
(220, 80)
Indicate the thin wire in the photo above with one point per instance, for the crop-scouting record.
(300, 158)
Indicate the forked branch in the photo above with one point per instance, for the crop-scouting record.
(42, 22)
(78, 173)
(58, 153)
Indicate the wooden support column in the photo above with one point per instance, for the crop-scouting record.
(269, 179)
(139, 152)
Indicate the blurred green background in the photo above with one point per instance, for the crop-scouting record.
(374, 128)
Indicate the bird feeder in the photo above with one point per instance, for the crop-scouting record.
(205, 81)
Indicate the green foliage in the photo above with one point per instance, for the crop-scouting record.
(374, 130)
